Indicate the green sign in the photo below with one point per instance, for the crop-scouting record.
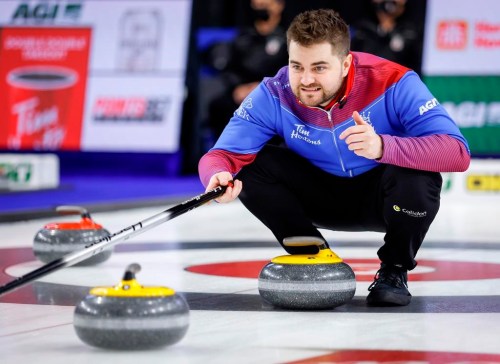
(474, 103)
(16, 172)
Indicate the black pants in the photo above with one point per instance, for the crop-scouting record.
(294, 198)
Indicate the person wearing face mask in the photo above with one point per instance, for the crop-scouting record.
(388, 34)
(365, 141)
(257, 51)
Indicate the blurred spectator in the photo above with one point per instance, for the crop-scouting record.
(257, 51)
(389, 34)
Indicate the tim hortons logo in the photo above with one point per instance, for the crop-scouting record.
(30, 120)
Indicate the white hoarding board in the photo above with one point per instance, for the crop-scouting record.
(462, 37)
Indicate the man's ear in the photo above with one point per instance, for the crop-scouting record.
(346, 64)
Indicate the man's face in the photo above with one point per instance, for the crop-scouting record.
(316, 73)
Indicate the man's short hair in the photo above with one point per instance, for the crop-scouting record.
(319, 26)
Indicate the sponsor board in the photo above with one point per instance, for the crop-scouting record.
(29, 171)
(481, 180)
(122, 115)
(43, 75)
(461, 66)
(138, 53)
(467, 31)
(43, 12)
(474, 103)
(131, 108)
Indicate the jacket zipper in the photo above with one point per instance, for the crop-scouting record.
(329, 114)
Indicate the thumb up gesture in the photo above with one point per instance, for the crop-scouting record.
(362, 139)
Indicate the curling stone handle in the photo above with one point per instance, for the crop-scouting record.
(305, 241)
(73, 210)
(130, 272)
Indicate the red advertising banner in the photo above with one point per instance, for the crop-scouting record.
(43, 76)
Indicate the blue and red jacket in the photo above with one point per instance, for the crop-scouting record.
(416, 130)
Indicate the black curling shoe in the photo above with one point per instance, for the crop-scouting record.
(390, 287)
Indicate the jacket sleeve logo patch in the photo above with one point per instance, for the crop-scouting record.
(242, 110)
(428, 105)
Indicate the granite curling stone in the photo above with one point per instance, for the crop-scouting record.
(130, 316)
(55, 240)
(307, 282)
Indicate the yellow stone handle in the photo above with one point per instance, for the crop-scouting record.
(129, 287)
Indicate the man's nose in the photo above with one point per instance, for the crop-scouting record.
(307, 78)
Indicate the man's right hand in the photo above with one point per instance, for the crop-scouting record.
(223, 179)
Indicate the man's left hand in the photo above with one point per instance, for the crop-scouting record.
(362, 139)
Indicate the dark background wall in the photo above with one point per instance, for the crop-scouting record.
(230, 13)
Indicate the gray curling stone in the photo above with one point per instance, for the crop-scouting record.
(55, 240)
(307, 282)
(130, 316)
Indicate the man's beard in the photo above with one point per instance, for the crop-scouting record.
(306, 100)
